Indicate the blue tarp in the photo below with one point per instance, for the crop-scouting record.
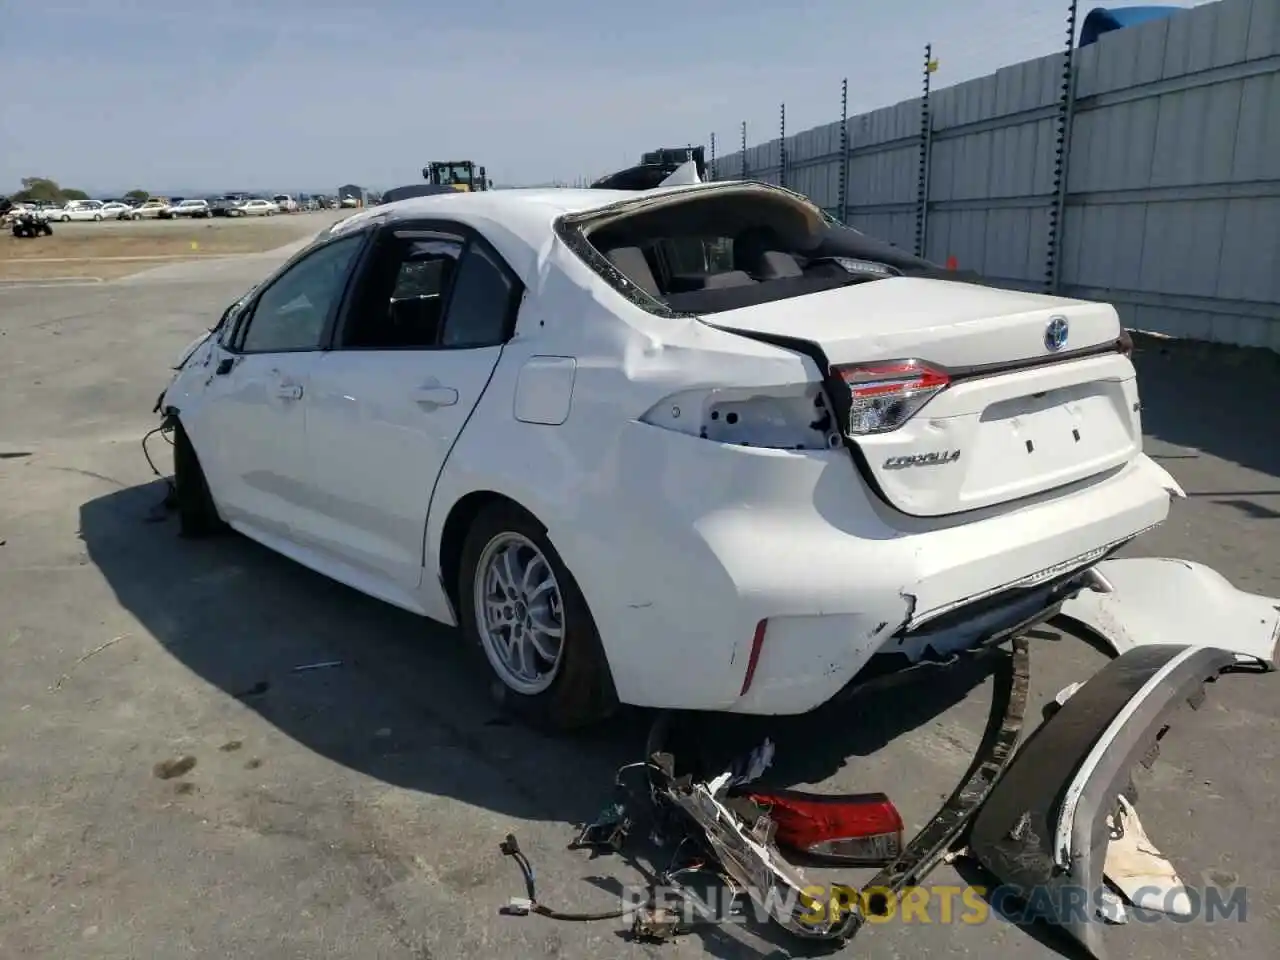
(1102, 20)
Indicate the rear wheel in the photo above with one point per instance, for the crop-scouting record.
(522, 607)
(197, 515)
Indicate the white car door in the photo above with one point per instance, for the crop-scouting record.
(248, 427)
(412, 355)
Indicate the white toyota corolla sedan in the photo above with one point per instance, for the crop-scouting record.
(694, 447)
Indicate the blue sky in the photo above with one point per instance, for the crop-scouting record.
(308, 94)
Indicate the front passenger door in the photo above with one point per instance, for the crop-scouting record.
(249, 429)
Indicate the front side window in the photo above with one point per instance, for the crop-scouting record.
(292, 312)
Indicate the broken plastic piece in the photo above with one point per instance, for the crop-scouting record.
(656, 924)
(1162, 600)
(1111, 908)
(609, 830)
(1044, 824)
(1140, 871)
(756, 763)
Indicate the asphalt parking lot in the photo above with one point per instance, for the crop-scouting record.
(356, 810)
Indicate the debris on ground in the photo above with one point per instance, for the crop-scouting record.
(720, 829)
(174, 767)
(92, 653)
(324, 665)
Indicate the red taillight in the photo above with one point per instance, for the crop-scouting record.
(857, 828)
(883, 396)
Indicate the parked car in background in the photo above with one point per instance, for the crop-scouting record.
(112, 209)
(257, 207)
(219, 206)
(285, 203)
(78, 210)
(149, 210)
(196, 209)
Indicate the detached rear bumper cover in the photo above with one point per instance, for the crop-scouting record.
(1160, 600)
(1043, 828)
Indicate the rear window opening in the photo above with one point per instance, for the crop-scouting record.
(714, 250)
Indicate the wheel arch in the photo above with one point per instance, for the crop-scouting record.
(454, 534)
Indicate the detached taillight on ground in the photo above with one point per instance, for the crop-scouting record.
(885, 395)
(861, 828)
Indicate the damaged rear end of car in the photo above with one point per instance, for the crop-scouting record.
(970, 455)
(970, 451)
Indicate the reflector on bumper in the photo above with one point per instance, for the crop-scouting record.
(1044, 826)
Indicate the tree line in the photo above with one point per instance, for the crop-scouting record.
(42, 189)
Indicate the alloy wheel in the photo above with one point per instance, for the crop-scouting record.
(519, 613)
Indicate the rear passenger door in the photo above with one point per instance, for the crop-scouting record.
(411, 358)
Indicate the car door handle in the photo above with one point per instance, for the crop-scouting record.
(431, 397)
(289, 391)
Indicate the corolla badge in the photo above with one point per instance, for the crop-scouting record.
(1055, 334)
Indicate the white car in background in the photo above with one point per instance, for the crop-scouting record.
(196, 209)
(114, 209)
(690, 448)
(81, 210)
(285, 203)
(256, 207)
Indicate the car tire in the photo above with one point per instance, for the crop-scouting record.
(65, 219)
(578, 689)
(136, 216)
(197, 514)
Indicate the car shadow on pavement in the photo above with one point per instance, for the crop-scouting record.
(1213, 399)
(392, 696)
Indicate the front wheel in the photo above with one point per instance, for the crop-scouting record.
(65, 219)
(522, 607)
(197, 514)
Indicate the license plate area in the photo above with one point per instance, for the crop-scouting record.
(1046, 439)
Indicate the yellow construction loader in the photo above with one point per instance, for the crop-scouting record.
(461, 175)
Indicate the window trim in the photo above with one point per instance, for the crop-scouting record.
(233, 342)
(429, 229)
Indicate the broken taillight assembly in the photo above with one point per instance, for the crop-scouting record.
(861, 828)
(885, 395)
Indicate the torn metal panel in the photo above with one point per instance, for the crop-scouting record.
(1159, 600)
(1044, 826)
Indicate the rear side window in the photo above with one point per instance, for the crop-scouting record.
(483, 301)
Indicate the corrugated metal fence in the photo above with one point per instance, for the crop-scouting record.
(1171, 208)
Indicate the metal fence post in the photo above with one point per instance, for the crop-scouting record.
(713, 156)
(782, 149)
(1062, 162)
(744, 150)
(926, 142)
(844, 150)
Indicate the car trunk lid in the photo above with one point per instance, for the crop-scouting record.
(1025, 392)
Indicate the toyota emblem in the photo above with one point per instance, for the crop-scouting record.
(1055, 334)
